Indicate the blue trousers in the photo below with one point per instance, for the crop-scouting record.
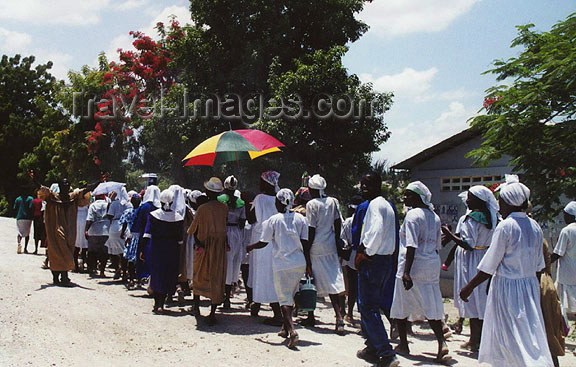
(376, 279)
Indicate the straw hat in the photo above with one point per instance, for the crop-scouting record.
(214, 184)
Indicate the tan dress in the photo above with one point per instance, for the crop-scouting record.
(551, 309)
(209, 224)
(60, 222)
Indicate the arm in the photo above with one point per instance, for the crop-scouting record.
(554, 257)
(406, 279)
(124, 226)
(89, 188)
(256, 246)
(338, 233)
(475, 282)
(456, 238)
(88, 225)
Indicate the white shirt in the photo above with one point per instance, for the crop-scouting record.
(566, 247)
(284, 231)
(97, 215)
(379, 229)
(321, 214)
(474, 233)
(516, 249)
(116, 209)
(421, 230)
(264, 207)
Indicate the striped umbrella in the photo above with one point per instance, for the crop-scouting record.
(232, 145)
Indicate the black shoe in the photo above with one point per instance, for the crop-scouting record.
(391, 361)
(368, 355)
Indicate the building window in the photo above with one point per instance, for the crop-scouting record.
(462, 183)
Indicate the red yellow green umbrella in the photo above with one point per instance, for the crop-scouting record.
(232, 145)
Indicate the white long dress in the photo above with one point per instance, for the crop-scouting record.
(81, 241)
(190, 253)
(284, 232)
(566, 279)
(421, 230)
(326, 269)
(261, 275)
(478, 236)
(115, 244)
(513, 334)
(237, 250)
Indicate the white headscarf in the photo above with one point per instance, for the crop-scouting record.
(286, 197)
(513, 192)
(423, 191)
(172, 200)
(317, 182)
(231, 183)
(152, 195)
(483, 193)
(571, 208)
(194, 195)
(272, 178)
(463, 196)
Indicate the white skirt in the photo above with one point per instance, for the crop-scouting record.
(286, 283)
(567, 295)
(327, 273)
(262, 276)
(422, 301)
(466, 263)
(81, 241)
(24, 226)
(235, 255)
(115, 244)
(513, 334)
(190, 256)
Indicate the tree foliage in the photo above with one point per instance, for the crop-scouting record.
(531, 116)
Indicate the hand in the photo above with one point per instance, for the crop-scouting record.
(407, 280)
(360, 257)
(249, 248)
(465, 293)
(86, 235)
(141, 256)
(340, 243)
(308, 271)
(228, 248)
(199, 250)
(122, 235)
(446, 230)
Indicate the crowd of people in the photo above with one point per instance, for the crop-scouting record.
(205, 243)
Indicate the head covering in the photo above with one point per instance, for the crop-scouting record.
(483, 193)
(317, 182)
(174, 197)
(214, 184)
(286, 197)
(463, 196)
(152, 195)
(131, 193)
(272, 178)
(124, 197)
(193, 195)
(571, 208)
(302, 196)
(421, 189)
(55, 187)
(513, 192)
(231, 183)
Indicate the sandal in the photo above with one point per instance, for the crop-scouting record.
(340, 327)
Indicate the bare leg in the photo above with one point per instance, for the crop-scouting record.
(196, 306)
(212, 316)
(36, 246)
(227, 291)
(403, 348)
(26, 240)
(277, 311)
(76, 255)
(436, 326)
(289, 326)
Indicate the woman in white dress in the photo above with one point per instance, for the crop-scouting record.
(81, 245)
(513, 334)
(120, 202)
(473, 237)
(286, 232)
(324, 230)
(417, 288)
(261, 273)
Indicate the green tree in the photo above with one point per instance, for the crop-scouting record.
(28, 111)
(531, 116)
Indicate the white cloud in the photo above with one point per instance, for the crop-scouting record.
(130, 4)
(124, 41)
(396, 17)
(12, 42)
(409, 138)
(60, 60)
(408, 82)
(61, 12)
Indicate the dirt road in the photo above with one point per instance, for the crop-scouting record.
(98, 322)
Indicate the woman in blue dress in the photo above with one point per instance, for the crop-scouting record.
(136, 252)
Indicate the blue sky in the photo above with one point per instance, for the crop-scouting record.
(430, 53)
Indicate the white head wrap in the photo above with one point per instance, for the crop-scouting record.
(317, 182)
(231, 183)
(513, 192)
(173, 196)
(483, 193)
(152, 195)
(166, 199)
(179, 202)
(421, 189)
(286, 197)
(571, 208)
(463, 196)
(194, 195)
(272, 178)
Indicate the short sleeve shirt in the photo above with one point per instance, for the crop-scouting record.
(97, 215)
(379, 230)
(566, 248)
(23, 206)
(321, 214)
(284, 232)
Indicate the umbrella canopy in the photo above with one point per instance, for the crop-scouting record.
(232, 145)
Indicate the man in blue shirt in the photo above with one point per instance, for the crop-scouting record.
(24, 218)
